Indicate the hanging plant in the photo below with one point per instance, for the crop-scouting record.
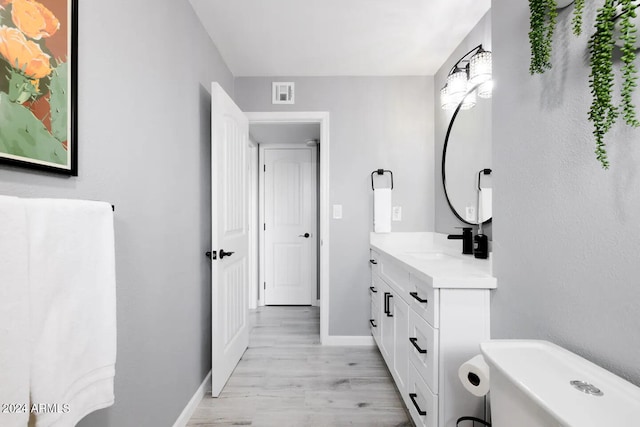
(542, 24)
(576, 21)
(629, 71)
(602, 112)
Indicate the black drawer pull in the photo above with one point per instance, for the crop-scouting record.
(373, 323)
(373, 261)
(414, 341)
(413, 396)
(415, 295)
(373, 289)
(388, 312)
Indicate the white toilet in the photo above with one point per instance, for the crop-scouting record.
(539, 384)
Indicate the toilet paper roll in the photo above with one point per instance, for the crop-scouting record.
(474, 375)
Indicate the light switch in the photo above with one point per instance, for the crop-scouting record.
(397, 213)
(337, 211)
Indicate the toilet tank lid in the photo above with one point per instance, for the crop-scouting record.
(544, 372)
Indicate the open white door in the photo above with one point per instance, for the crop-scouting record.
(290, 225)
(230, 237)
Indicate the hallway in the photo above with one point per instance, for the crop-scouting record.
(286, 378)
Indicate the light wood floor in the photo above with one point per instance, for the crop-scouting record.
(286, 378)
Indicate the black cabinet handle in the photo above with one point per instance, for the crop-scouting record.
(387, 311)
(413, 396)
(373, 323)
(373, 261)
(415, 295)
(386, 302)
(211, 254)
(305, 235)
(414, 341)
(373, 289)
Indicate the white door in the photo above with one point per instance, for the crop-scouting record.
(230, 237)
(290, 220)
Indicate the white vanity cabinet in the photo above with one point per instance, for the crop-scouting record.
(431, 314)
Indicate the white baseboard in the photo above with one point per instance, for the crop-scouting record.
(188, 410)
(346, 340)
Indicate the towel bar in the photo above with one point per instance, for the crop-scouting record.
(381, 172)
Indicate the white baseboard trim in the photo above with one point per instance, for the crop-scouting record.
(188, 410)
(347, 340)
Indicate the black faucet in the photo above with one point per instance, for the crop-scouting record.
(467, 239)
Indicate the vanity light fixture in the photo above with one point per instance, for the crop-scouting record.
(473, 70)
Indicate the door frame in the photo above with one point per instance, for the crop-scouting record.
(262, 201)
(253, 227)
(321, 117)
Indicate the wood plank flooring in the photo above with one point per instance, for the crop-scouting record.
(286, 378)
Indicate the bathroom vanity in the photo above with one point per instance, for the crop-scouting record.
(429, 313)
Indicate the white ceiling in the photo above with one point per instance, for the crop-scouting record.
(284, 133)
(338, 37)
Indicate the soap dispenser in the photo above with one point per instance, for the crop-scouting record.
(481, 245)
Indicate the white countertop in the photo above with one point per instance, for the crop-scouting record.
(435, 259)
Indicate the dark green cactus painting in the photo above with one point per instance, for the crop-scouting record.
(37, 84)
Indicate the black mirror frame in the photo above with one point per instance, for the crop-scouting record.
(444, 158)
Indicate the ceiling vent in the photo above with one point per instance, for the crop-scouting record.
(283, 93)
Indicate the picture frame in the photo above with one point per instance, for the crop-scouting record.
(38, 84)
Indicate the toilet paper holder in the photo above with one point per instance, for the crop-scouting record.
(474, 420)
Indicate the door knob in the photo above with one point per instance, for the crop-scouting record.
(210, 254)
(305, 235)
(224, 254)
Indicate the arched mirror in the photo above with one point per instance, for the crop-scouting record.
(466, 157)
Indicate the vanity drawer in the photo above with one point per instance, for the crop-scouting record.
(425, 300)
(421, 402)
(394, 274)
(424, 349)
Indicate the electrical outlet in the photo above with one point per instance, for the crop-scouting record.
(337, 211)
(397, 213)
(470, 213)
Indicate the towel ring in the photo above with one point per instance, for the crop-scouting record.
(381, 172)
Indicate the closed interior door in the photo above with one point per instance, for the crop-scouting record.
(230, 236)
(290, 239)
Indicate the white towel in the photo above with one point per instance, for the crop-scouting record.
(73, 303)
(485, 203)
(382, 210)
(14, 314)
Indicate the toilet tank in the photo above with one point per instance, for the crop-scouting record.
(539, 384)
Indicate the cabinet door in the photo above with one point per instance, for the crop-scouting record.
(400, 310)
(386, 324)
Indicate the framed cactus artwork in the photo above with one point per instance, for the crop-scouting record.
(38, 50)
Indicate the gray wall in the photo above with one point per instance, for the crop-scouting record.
(376, 122)
(445, 220)
(566, 232)
(143, 99)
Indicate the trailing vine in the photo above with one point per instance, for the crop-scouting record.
(629, 71)
(576, 21)
(602, 112)
(542, 24)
